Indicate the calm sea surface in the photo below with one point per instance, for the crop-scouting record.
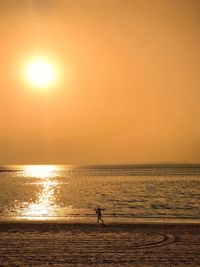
(125, 192)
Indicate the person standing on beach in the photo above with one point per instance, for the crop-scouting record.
(99, 215)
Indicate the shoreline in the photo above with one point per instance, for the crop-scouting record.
(92, 220)
(24, 226)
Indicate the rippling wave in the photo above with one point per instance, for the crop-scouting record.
(130, 191)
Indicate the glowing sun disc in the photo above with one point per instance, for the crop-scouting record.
(41, 73)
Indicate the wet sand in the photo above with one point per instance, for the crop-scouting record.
(88, 244)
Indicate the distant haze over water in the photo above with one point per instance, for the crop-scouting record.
(126, 85)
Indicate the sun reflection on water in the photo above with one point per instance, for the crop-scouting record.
(45, 202)
(44, 206)
(40, 171)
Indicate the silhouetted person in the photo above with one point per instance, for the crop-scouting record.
(99, 215)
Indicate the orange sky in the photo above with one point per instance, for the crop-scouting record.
(128, 88)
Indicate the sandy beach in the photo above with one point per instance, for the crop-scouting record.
(88, 244)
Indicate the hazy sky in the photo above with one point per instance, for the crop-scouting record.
(129, 81)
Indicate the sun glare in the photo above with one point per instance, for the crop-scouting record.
(40, 171)
(41, 73)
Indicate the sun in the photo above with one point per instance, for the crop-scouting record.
(41, 73)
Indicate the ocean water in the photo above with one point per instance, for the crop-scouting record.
(125, 192)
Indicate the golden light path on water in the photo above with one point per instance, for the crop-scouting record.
(40, 171)
(46, 182)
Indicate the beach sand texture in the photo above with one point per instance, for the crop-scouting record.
(61, 244)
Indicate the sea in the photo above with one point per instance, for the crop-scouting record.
(127, 193)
